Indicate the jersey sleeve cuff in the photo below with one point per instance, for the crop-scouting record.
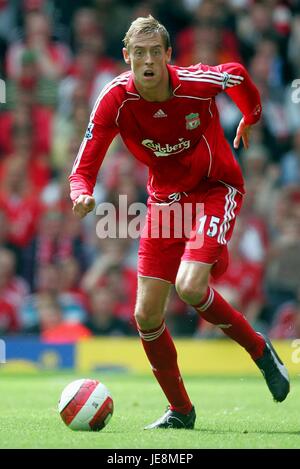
(75, 194)
(254, 116)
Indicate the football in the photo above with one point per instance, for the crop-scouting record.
(86, 404)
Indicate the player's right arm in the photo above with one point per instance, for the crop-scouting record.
(100, 132)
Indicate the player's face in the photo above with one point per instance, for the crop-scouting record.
(148, 57)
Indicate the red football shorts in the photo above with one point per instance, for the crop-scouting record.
(194, 226)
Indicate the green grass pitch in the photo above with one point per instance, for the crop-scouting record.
(232, 412)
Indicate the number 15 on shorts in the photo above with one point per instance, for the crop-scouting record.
(213, 225)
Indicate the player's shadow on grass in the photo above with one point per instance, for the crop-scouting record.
(214, 432)
(247, 432)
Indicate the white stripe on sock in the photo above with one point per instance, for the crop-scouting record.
(208, 302)
(149, 336)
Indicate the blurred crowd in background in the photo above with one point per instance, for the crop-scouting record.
(57, 277)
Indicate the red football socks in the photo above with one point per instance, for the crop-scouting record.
(162, 355)
(214, 309)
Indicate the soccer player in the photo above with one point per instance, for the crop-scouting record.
(168, 119)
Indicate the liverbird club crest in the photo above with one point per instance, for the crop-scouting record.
(192, 121)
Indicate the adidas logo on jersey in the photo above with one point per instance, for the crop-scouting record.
(160, 113)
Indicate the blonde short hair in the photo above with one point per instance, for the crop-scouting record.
(147, 25)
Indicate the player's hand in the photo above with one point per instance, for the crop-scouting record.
(243, 132)
(83, 205)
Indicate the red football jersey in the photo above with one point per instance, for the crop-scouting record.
(180, 140)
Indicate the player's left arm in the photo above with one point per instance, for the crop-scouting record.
(239, 86)
(234, 79)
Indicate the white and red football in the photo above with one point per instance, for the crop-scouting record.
(86, 404)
